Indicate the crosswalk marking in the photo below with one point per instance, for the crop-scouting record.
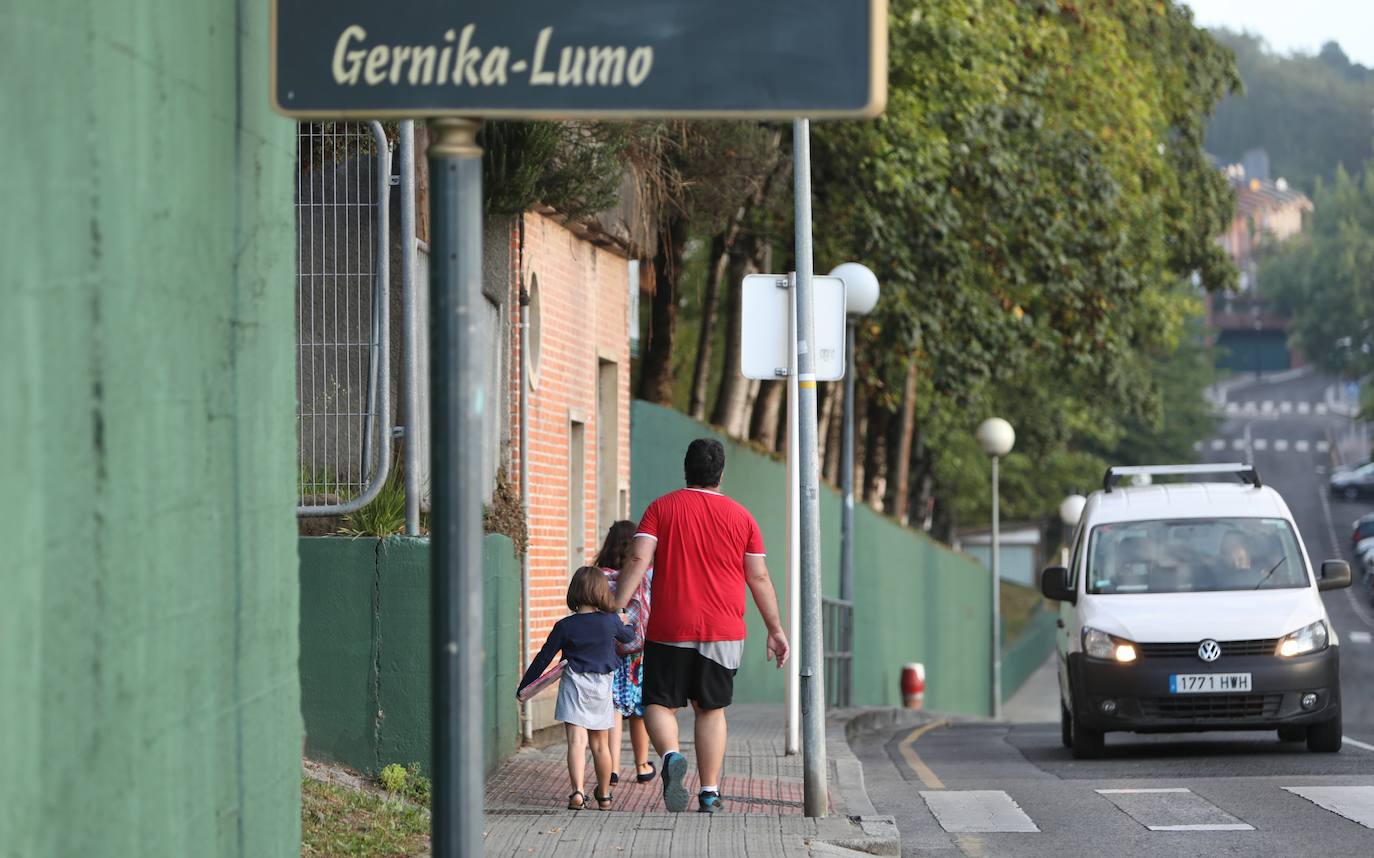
(1248, 408)
(1219, 444)
(1361, 637)
(1323, 446)
(1260, 444)
(1300, 446)
(1232, 407)
(1285, 407)
(1197, 446)
(1304, 408)
(1237, 443)
(1173, 809)
(1280, 445)
(1267, 405)
(977, 811)
(1355, 803)
(1321, 408)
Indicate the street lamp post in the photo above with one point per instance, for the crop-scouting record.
(860, 296)
(996, 437)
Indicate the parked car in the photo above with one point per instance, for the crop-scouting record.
(1362, 529)
(1353, 483)
(1193, 606)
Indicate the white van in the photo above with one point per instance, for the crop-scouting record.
(1192, 606)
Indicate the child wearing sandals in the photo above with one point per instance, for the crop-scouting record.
(627, 690)
(587, 639)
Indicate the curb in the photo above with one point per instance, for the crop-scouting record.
(850, 796)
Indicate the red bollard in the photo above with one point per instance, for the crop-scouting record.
(913, 685)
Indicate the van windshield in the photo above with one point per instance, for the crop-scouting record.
(1194, 555)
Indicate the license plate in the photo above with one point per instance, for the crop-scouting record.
(1208, 683)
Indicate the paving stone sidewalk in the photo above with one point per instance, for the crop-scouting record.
(762, 787)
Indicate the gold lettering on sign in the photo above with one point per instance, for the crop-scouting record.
(458, 59)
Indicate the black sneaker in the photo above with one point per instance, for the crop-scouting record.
(710, 802)
(675, 782)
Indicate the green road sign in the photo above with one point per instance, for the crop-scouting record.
(556, 58)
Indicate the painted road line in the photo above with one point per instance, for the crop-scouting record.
(1238, 444)
(1280, 445)
(1304, 408)
(1300, 446)
(1197, 446)
(1355, 803)
(1172, 809)
(1232, 407)
(1356, 604)
(1261, 444)
(1320, 408)
(1267, 405)
(1363, 746)
(1323, 446)
(1361, 637)
(1285, 407)
(1218, 443)
(1248, 408)
(977, 811)
(913, 759)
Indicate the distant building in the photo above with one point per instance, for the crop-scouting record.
(1252, 336)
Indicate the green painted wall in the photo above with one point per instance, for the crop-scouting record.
(148, 685)
(915, 600)
(364, 643)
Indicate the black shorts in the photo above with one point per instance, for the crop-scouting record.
(674, 675)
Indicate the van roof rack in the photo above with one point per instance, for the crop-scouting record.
(1247, 473)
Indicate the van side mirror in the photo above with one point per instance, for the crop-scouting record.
(1335, 575)
(1054, 583)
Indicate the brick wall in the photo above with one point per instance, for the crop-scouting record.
(582, 296)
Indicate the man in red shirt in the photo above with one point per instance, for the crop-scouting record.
(704, 549)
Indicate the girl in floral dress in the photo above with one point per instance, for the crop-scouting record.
(627, 684)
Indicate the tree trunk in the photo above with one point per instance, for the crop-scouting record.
(656, 380)
(834, 439)
(701, 372)
(768, 411)
(734, 388)
(875, 439)
(899, 466)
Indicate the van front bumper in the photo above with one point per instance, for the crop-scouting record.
(1137, 694)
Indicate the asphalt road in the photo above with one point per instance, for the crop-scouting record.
(981, 788)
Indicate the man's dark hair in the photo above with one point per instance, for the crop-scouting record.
(704, 463)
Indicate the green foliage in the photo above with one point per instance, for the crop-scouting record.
(336, 821)
(1321, 278)
(406, 782)
(1312, 113)
(506, 514)
(384, 516)
(575, 167)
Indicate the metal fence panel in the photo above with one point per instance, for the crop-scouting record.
(342, 306)
(838, 624)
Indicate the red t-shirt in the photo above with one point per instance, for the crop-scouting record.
(699, 585)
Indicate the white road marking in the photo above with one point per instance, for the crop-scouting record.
(1286, 407)
(1304, 408)
(1360, 637)
(1363, 746)
(1261, 444)
(1232, 407)
(1222, 826)
(1321, 408)
(977, 810)
(1355, 803)
(1281, 445)
(1238, 444)
(1197, 446)
(1172, 809)
(1218, 443)
(1248, 408)
(1355, 604)
(1300, 446)
(1323, 446)
(1267, 405)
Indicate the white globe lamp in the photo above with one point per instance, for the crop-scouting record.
(1071, 509)
(860, 287)
(995, 436)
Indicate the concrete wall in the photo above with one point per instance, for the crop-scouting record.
(364, 645)
(148, 687)
(914, 599)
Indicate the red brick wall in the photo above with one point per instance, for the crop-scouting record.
(584, 318)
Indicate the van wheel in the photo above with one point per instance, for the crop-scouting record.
(1065, 725)
(1325, 738)
(1292, 734)
(1087, 744)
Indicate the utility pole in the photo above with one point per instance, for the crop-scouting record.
(814, 765)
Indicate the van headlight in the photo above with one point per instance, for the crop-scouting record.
(1099, 644)
(1309, 638)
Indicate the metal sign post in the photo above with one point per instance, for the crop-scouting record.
(815, 788)
(792, 738)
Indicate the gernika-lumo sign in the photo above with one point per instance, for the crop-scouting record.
(561, 57)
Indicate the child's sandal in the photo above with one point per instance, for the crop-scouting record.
(581, 800)
(603, 802)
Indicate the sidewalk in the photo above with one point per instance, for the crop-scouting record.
(526, 803)
(1037, 700)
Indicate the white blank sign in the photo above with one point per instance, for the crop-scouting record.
(764, 328)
